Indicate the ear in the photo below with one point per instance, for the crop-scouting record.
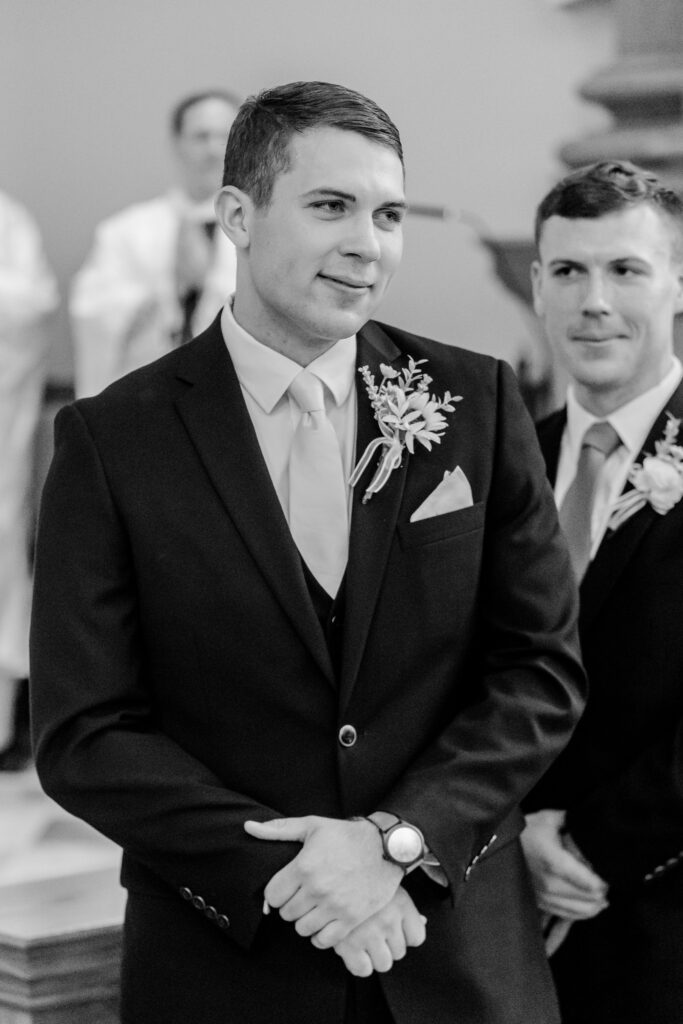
(234, 210)
(678, 304)
(536, 287)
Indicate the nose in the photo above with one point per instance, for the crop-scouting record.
(362, 241)
(595, 300)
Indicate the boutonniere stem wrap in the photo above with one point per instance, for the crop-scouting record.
(657, 481)
(405, 413)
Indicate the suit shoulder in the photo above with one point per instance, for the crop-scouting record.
(160, 381)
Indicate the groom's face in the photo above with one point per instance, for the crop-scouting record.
(321, 254)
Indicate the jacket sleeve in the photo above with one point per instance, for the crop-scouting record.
(100, 747)
(630, 827)
(531, 689)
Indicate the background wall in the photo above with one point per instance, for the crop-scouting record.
(483, 92)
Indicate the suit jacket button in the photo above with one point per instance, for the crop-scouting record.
(222, 921)
(347, 736)
(198, 902)
(185, 893)
(211, 913)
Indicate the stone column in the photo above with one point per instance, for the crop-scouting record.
(643, 90)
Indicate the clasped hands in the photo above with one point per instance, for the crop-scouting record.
(566, 886)
(340, 893)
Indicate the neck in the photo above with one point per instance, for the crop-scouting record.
(287, 343)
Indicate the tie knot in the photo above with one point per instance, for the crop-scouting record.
(603, 437)
(307, 391)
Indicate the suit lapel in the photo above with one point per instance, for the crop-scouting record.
(550, 438)
(219, 425)
(373, 524)
(617, 548)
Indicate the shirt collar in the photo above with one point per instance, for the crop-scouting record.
(631, 421)
(267, 374)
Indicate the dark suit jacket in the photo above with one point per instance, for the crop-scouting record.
(621, 776)
(182, 684)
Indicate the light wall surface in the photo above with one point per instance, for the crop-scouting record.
(483, 91)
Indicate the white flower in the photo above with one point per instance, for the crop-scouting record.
(661, 481)
(405, 413)
(658, 481)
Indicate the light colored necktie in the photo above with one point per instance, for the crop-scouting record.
(599, 441)
(318, 496)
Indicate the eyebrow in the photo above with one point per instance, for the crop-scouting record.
(399, 204)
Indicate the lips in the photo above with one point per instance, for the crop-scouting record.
(596, 337)
(346, 282)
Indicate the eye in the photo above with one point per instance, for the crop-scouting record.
(627, 270)
(329, 206)
(565, 270)
(390, 217)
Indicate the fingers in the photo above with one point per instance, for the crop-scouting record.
(415, 930)
(578, 875)
(384, 938)
(570, 908)
(356, 961)
(283, 829)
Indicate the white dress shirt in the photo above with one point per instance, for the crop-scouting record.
(633, 422)
(265, 376)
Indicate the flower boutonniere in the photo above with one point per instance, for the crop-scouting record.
(658, 481)
(405, 413)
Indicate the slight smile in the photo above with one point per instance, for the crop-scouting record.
(344, 282)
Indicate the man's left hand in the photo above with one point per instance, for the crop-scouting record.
(337, 880)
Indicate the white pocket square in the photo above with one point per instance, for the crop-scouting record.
(453, 493)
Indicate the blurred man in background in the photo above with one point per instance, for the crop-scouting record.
(158, 271)
(605, 844)
(27, 293)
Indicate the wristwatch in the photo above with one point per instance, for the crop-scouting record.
(402, 843)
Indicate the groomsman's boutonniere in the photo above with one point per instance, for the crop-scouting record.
(657, 482)
(406, 413)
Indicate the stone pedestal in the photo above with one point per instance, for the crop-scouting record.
(60, 949)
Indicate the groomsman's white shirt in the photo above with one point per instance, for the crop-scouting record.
(633, 423)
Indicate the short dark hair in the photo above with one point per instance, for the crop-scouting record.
(258, 144)
(182, 107)
(606, 187)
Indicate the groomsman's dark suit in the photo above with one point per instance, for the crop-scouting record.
(621, 776)
(187, 677)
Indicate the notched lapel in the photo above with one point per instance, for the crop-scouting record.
(219, 425)
(619, 547)
(373, 525)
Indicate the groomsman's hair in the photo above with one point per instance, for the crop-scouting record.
(607, 187)
(182, 107)
(258, 144)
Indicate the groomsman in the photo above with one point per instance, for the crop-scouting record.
(308, 712)
(605, 843)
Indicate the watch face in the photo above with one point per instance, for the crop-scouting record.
(404, 844)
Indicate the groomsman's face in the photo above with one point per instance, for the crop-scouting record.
(316, 262)
(607, 290)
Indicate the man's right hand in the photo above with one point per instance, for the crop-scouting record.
(376, 944)
(565, 884)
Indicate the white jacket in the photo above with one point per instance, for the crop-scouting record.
(28, 291)
(124, 306)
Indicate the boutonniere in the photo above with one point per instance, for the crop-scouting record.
(658, 481)
(405, 413)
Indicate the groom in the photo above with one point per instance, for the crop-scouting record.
(307, 712)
